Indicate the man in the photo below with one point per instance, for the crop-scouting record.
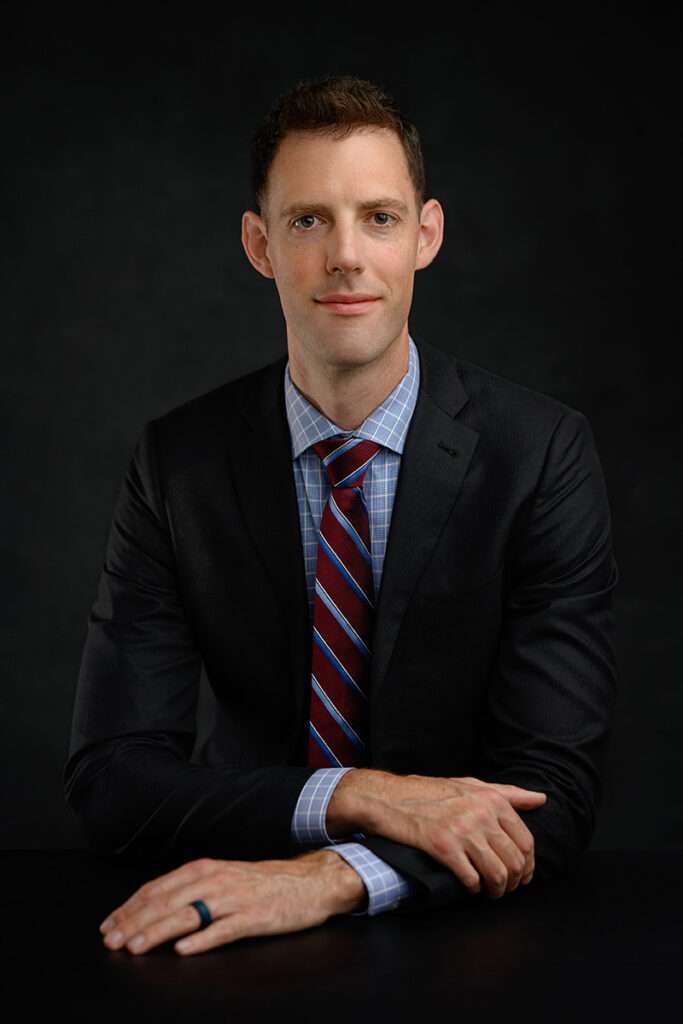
(411, 653)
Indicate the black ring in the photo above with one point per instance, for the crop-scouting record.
(203, 911)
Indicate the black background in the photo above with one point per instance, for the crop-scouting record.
(552, 140)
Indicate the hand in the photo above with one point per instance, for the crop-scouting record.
(468, 825)
(245, 898)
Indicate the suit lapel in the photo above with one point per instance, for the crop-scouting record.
(264, 480)
(435, 459)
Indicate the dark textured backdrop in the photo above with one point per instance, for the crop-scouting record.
(551, 140)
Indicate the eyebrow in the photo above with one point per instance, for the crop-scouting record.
(369, 204)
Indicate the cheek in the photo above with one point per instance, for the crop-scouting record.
(398, 267)
(300, 277)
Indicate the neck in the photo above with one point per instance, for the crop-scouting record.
(348, 394)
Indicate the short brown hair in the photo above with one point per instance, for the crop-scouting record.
(335, 105)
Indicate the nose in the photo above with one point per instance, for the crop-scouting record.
(343, 249)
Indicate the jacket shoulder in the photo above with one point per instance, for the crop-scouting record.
(216, 410)
(502, 398)
(521, 432)
(484, 399)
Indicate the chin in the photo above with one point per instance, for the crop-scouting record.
(348, 344)
(355, 355)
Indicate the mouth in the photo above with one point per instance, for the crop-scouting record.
(348, 307)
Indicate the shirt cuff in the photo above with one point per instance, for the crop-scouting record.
(308, 820)
(385, 886)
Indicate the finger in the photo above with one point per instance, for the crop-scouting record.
(511, 856)
(227, 929)
(529, 874)
(513, 825)
(492, 870)
(463, 868)
(149, 917)
(183, 921)
(242, 925)
(519, 797)
(165, 884)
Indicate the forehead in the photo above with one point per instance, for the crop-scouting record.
(308, 165)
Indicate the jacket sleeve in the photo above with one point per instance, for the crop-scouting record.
(550, 698)
(129, 776)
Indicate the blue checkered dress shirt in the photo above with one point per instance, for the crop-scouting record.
(387, 425)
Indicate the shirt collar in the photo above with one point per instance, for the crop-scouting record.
(387, 424)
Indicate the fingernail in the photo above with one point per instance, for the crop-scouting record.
(137, 942)
(107, 924)
(114, 939)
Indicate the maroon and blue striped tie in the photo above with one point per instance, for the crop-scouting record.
(343, 610)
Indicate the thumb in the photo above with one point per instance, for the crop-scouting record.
(519, 797)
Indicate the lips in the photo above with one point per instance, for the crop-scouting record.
(347, 297)
(347, 306)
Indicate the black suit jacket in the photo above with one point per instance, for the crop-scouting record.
(493, 646)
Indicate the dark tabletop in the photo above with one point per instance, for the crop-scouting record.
(604, 945)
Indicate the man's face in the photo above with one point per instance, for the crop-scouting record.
(341, 217)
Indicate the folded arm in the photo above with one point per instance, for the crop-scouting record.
(129, 776)
(550, 696)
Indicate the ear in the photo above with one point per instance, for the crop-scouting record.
(255, 242)
(430, 233)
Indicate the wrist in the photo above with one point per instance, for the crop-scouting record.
(349, 806)
(344, 888)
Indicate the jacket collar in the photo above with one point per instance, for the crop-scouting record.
(436, 455)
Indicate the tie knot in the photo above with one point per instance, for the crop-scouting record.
(346, 459)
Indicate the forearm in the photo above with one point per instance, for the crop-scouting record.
(386, 888)
(346, 888)
(561, 827)
(354, 799)
(412, 822)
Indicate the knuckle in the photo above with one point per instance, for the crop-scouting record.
(190, 917)
(482, 815)
(520, 862)
(441, 840)
(204, 864)
(225, 930)
(476, 846)
(497, 800)
(144, 901)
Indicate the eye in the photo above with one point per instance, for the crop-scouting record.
(311, 216)
(305, 216)
(383, 213)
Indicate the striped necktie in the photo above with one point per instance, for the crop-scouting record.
(343, 610)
